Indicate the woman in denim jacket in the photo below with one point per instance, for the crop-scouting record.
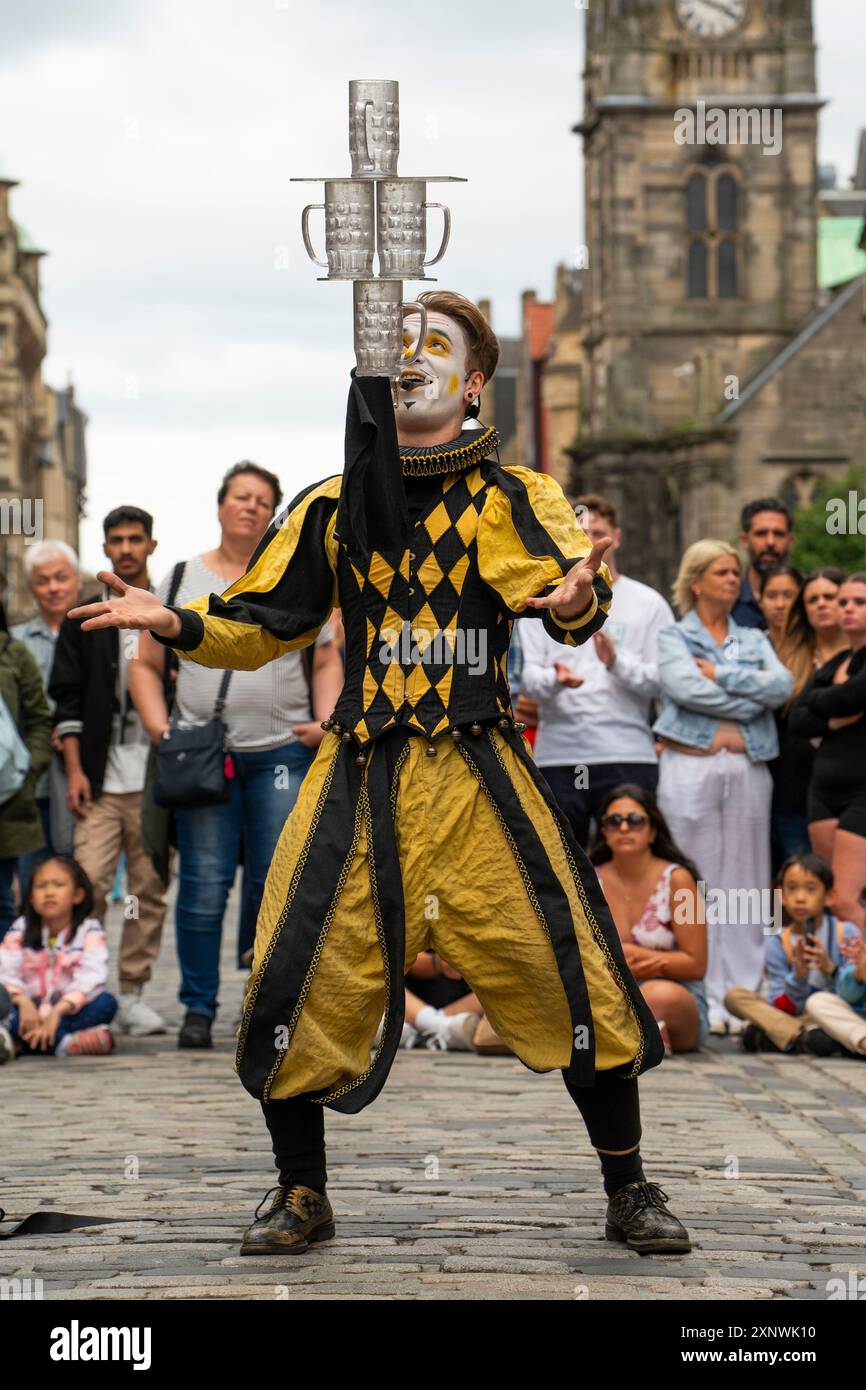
(720, 684)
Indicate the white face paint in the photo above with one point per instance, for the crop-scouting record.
(430, 391)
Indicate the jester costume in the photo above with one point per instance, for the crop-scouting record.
(423, 821)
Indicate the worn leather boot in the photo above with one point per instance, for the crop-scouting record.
(637, 1215)
(297, 1218)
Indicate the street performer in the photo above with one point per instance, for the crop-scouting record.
(423, 822)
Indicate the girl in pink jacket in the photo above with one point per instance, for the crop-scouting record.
(53, 966)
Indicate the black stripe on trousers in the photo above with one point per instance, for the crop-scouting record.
(281, 976)
(481, 755)
(386, 888)
(653, 1049)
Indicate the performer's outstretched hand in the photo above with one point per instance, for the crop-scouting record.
(574, 595)
(136, 608)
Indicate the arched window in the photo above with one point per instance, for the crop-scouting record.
(712, 197)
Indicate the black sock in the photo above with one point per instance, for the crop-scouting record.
(297, 1130)
(618, 1170)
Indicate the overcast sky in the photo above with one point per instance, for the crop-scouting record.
(154, 143)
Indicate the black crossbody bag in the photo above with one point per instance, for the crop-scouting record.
(190, 763)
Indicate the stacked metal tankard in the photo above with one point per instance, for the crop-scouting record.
(375, 212)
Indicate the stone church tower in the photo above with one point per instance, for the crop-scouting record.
(707, 367)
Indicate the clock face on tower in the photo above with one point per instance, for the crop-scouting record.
(711, 19)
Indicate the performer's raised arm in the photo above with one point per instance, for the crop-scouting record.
(537, 558)
(278, 605)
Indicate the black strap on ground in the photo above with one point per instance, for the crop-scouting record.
(50, 1223)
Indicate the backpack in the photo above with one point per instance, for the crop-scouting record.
(14, 755)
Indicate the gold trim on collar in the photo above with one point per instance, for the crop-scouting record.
(449, 458)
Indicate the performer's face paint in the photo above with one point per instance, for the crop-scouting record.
(431, 390)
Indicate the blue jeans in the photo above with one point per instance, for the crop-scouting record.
(7, 906)
(29, 862)
(209, 840)
(100, 1010)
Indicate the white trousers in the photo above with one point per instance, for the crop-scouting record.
(718, 809)
(837, 1018)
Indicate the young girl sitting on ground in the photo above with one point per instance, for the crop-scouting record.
(53, 964)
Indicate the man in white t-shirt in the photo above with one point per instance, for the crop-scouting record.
(594, 701)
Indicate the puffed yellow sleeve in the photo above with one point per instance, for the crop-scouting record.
(282, 601)
(528, 538)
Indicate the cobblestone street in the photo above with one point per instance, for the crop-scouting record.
(469, 1178)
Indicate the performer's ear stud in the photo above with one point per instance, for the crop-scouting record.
(475, 729)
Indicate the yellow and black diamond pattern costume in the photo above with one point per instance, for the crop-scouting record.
(423, 821)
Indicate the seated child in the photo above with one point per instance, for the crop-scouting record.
(801, 960)
(842, 1014)
(53, 964)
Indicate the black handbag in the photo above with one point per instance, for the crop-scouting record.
(191, 763)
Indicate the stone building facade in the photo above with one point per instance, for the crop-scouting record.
(695, 359)
(43, 461)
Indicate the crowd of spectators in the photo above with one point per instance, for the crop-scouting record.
(712, 764)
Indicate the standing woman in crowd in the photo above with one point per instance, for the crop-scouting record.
(810, 635)
(26, 715)
(779, 588)
(273, 728)
(720, 684)
(831, 708)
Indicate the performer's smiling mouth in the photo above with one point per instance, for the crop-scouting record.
(410, 380)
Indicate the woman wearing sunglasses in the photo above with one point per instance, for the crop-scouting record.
(651, 889)
(831, 710)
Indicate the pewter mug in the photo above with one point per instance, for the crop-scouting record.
(401, 228)
(374, 126)
(349, 228)
(378, 316)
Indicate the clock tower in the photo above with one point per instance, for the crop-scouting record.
(699, 130)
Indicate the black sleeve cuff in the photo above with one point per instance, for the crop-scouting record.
(191, 631)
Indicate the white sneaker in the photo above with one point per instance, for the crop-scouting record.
(736, 1025)
(718, 1025)
(137, 1018)
(460, 1030)
(7, 1046)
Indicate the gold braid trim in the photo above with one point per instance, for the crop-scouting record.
(447, 460)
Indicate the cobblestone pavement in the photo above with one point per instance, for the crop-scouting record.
(469, 1177)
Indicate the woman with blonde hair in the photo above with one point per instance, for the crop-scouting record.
(720, 683)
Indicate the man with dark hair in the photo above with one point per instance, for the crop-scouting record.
(767, 534)
(105, 749)
(423, 821)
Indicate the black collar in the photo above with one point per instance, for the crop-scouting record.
(469, 448)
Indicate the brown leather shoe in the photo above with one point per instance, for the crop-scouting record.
(297, 1218)
(638, 1216)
